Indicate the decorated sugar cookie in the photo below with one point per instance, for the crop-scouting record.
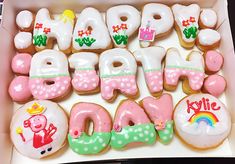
(176, 67)
(49, 75)
(122, 22)
(157, 20)
(202, 121)
(208, 19)
(117, 72)
(151, 60)
(213, 61)
(39, 129)
(131, 125)
(186, 23)
(79, 141)
(85, 78)
(46, 29)
(208, 39)
(90, 32)
(23, 42)
(24, 20)
(21, 63)
(160, 112)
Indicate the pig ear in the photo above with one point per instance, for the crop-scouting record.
(26, 123)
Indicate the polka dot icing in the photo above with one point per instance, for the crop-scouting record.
(120, 139)
(166, 134)
(21, 63)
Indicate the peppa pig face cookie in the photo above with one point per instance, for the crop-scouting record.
(39, 128)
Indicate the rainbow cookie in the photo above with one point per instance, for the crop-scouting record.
(202, 121)
(85, 78)
(131, 125)
(176, 67)
(39, 128)
(160, 112)
(151, 60)
(79, 141)
(117, 72)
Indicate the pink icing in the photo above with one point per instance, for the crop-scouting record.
(195, 77)
(126, 84)
(129, 111)
(213, 61)
(41, 90)
(21, 63)
(83, 111)
(215, 85)
(85, 80)
(154, 81)
(19, 90)
(159, 110)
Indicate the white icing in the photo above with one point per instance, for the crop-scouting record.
(23, 40)
(202, 135)
(173, 58)
(49, 63)
(162, 25)
(114, 15)
(208, 17)
(208, 37)
(24, 19)
(83, 60)
(107, 58)
(54, 115)
(151, 57)
(61, 28)
(92, 17)
(182, 13)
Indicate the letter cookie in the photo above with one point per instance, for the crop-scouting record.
(176, 67)
(122, 22)
(131, 125)
(117, 72)
(49, 75)
(85, 78)
(186, 23)
(46, 29)
(157, 21)
(160, 112)
(79, 141)
(39, 129)
(151, 60)
(202, 121)
(90, 32)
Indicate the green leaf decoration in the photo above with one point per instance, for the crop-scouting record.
(190, 32)
(86, 40)
(39, 40)
(79, 41)
(120, 39)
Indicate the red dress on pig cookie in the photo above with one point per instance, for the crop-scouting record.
(49, 75)
(37, 130)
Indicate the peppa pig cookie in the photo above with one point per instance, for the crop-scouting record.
(117, 73)
(157, 21)
(49, 75)
(186, 23)
(191, 69)
(39, 129)
(202, 121)
(122, 22)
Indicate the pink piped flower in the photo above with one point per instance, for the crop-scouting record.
(117, 128)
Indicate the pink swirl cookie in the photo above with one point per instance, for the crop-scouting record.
(214, 85)
(49, 75)
(19, 89)
(85, 78)
(213, 61)
(21, 63)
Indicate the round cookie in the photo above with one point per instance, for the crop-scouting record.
(39, 128)
(21, 63)
(24, 20)
(213, 61)
(23, 42)
(202, 121)
(208, 19)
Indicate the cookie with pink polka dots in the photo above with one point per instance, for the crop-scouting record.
(49, 75)
(191, 71)
(117, 73)
(85, 79)
(21, 63)
(151, 60)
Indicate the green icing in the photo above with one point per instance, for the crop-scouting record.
(120, 74)
(49, 76)
(86, 40)
(40, 40)
(166, 135)
(138, 133)
(86, 144)
(120, 39)
(190, 32)
(187, 68)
